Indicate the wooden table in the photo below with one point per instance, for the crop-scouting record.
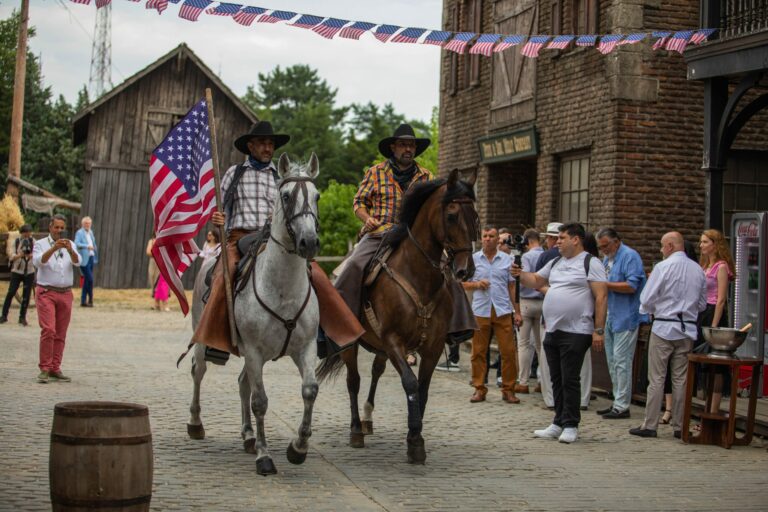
(716, 427)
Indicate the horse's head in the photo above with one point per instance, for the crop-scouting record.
(461, 223)
(296, 209)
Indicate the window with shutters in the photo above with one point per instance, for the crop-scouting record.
(556, 13)
(585, 16)
(159, 123)
(473, 22)
(453, 63)
(574, 189)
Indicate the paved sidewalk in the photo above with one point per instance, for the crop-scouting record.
(479, 456)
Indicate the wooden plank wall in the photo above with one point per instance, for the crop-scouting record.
(116, 194)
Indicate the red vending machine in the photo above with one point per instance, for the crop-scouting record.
(749, 245)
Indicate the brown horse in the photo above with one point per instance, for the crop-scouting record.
(410, 300)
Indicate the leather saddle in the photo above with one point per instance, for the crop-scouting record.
(249, 247)
(373, 269)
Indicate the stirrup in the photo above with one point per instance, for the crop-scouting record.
(216, 356)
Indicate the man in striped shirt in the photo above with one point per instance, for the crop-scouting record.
(248, 193)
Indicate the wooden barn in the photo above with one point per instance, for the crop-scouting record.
(120, 131)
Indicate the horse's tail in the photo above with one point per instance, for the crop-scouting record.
(330, 368)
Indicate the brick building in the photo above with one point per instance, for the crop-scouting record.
(613, 140)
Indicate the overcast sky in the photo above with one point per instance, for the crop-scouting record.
(405, 75)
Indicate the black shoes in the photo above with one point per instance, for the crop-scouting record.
(326, 347)
(600, 412)
(23, 321)
(642, 432)
(216, 356)
(454, 338)
(678, 434)
(3, 319)
(616, 415)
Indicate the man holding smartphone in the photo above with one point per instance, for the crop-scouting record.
(54, 257)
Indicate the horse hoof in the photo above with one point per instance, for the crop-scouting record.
(367, 427)
(295, 456)
(250, 445)
(265, 466)
(416, 452)
(356, 440)
(196, 431)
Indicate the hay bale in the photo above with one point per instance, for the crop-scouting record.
(11, 218)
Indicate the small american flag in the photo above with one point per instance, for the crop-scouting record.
(702, 35)
(330, 27)
(560, 43)
(224, 9)
(661, 39)
(191, 9)
(307, 21)
(276, 17)
(437, 37)
(589, 40)
(384, 32)
(247, 15)
(459, 42)
(679, 41)
(484, 44)
(102, 3)
(533, 46)
(608, 43)
(633, 38)
(160, 5)
(508, 42)
(355, 30)
(84, 2)
(409, 35)
(183, 195)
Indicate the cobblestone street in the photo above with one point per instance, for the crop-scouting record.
(479, 456)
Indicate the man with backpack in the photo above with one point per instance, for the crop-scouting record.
(574, 309)
(22, 272)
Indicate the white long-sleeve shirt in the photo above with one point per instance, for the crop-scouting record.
(676, 285)
(57, 271)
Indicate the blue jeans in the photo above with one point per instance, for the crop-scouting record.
(87, 272)
(620, 351)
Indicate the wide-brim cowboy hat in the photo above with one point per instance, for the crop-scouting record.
(404, 131)
(261, 129)
(553, 229)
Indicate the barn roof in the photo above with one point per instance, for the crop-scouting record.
(80, 121)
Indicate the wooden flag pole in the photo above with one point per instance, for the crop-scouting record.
(220, 207)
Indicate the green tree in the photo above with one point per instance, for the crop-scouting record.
(298, 102)
(338, 221)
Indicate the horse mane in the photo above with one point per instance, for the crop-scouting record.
(414, 199)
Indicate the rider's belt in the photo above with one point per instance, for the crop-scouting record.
(60, 289)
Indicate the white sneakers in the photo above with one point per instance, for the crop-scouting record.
(567, 435)
(551, 432)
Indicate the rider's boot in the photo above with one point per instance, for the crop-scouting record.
(326, 347)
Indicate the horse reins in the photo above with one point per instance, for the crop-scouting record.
(291, 323)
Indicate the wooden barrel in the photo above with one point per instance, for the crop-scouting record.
(101, 457)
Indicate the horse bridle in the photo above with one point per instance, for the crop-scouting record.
(290, 203)
(465, 204)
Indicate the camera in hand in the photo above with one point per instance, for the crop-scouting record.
(516, 242)
(64, 234)
(25, 244)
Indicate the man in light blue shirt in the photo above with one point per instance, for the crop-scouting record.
(626, 278)
(492, 304)
(675, 294)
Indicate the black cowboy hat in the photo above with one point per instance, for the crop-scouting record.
(261, 129)
(404, 131)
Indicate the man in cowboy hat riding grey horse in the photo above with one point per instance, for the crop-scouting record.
(248, 193)
(377, 204)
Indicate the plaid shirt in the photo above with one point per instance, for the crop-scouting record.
(381, 195)
(254, 199)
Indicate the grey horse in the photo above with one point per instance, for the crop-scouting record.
(276, 314)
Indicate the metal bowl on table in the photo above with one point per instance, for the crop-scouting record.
(724, 341)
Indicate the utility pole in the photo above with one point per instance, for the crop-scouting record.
(17, 116)
(101, 53)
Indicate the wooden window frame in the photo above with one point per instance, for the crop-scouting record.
(474, 23)
(556, 17)
(567, 190)
(453, 57)
(589, 23)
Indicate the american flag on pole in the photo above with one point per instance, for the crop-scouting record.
(224, 9)
(409, 35)
(160, 5)
(588, 40)
(330, 27)
(633, 38)
(608, 43)
(307, 21)
(247, 15)
(679, 41)
(355, 30)
(508, 42)
(276, 17)
(560, 42)
(533, 46)
(459, 42)
(183, 195)
(384, 32)
(484, 44)
(661, 39)
(191, 9)
(437, 37)
(702, 35)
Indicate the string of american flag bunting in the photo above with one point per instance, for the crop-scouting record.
(459, 42)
